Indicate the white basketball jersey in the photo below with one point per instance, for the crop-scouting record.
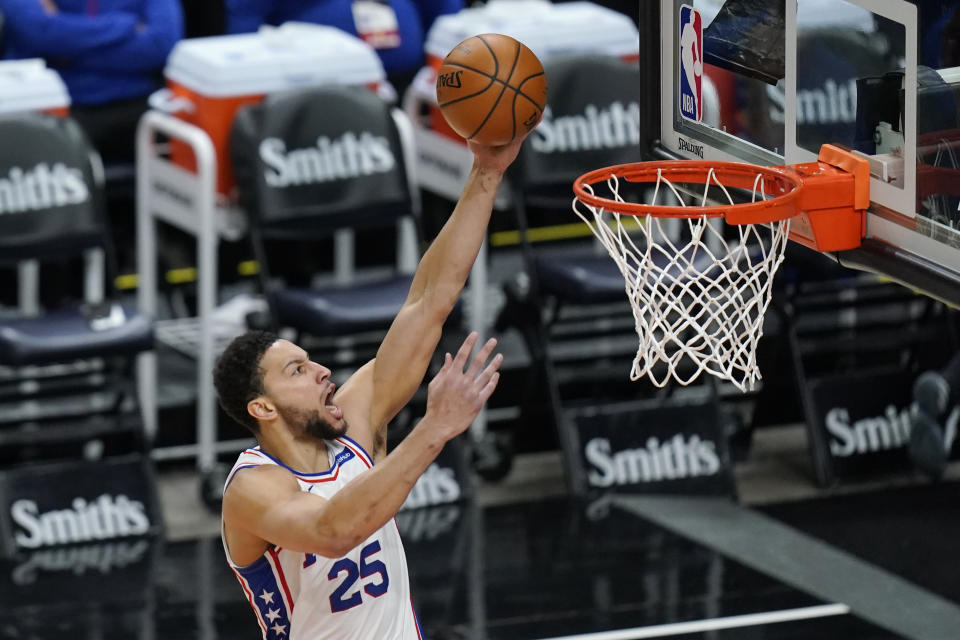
(364, 595)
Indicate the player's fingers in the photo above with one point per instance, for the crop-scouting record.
(464, 352)
(488, 372)
(481, 358)
(444, 371)
(488, 389)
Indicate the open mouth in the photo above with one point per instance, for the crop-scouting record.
(332, 408)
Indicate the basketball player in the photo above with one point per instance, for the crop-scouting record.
(308, 514)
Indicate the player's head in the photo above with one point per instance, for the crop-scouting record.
(262, 381)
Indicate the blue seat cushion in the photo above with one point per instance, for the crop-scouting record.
(342, 309)
(67, 334)
(593, 279)
(581, 279)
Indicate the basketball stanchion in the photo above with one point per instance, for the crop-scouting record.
(699, 296)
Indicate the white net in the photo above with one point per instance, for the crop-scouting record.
(699, 288)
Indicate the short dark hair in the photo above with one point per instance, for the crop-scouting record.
(238, 377)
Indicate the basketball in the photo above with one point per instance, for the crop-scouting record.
(491, 89)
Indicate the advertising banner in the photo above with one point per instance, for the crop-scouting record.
(861, 423)
(652, 446)
(77, 503)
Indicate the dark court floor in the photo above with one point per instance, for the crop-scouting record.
(549, 569)
(522, 561)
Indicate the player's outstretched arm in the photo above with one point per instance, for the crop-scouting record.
(266, 501)
(377, 392)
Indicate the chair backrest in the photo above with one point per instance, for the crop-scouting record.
(320, 159)
(51, 194)
(592, 120)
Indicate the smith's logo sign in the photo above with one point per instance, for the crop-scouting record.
(102, 558)
(104, 518)
(877, 433)
(437, 485)
(41, 187)
(604, 127)
(830, 103)
(672, 459)
(348, 156)
(426, 525)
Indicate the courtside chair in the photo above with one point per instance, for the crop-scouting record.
(67, 357)
(316, 168)
(584, 91)
(569, 302)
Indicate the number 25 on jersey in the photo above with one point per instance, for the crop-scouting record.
(341, 599)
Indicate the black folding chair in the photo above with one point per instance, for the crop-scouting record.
(66, 353)
(317, 168)
(566, 287)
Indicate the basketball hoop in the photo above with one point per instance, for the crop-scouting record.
(698, 276)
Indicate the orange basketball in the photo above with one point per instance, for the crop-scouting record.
(491, 89)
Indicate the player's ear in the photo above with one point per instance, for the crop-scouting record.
(261, 409)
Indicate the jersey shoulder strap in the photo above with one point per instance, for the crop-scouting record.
(252, 457)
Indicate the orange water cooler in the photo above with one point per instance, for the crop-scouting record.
(28, 85)
(209, 79)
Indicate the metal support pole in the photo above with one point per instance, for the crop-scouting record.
(186, 200)
(477, 321)
(146, 278)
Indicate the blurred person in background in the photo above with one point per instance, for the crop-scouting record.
(110, 54)
(934, 414)
(395, 28)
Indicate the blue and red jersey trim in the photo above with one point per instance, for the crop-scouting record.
(266, 589)
(354, 446)
(324, 476)
(416, 619)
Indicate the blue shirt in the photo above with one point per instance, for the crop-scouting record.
(414, 18)
(105, 50)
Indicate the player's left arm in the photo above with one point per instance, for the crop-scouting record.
(379, 389)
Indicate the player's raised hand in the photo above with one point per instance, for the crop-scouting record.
(496, 158)
(457, 393)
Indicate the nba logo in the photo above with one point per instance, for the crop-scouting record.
(691, 63)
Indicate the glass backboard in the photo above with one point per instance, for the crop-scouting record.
(770, 81)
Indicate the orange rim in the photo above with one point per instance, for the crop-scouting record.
(780, 188)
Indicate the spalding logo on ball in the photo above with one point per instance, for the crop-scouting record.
(491, 89)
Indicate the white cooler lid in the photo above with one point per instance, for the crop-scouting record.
(28, 85)
(273, 59)
(548, 29)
